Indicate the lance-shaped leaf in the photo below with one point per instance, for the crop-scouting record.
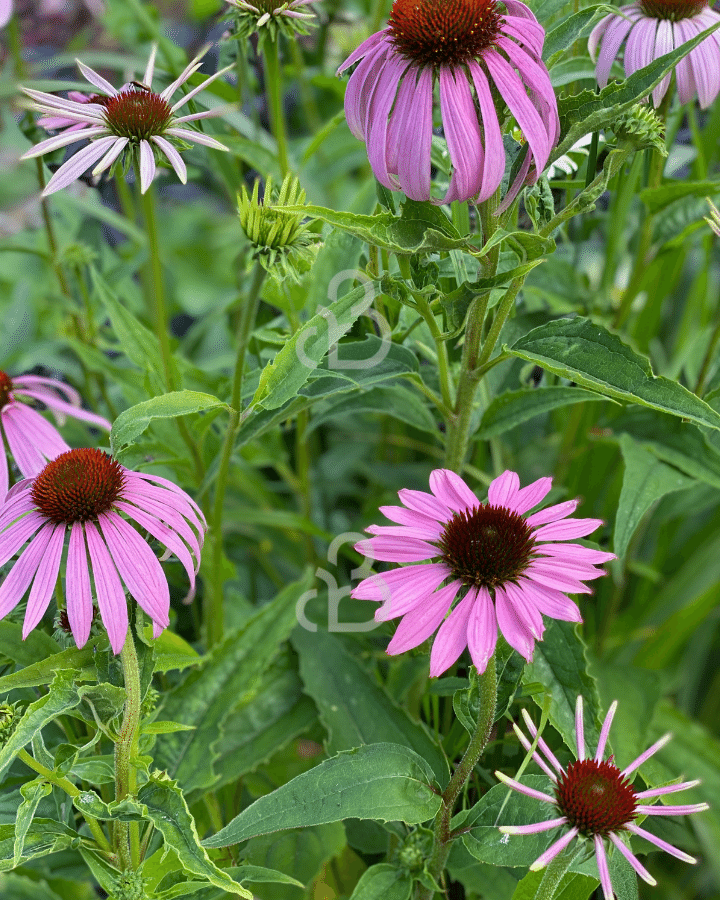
(515, 407)
(593, 357)
(32, 793)
(43, 836)
(385, 782)
(76, 660)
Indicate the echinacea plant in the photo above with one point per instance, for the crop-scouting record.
(505, 569)
(132, 118)
(597, 801)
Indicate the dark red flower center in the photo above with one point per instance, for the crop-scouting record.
(443, 32)
(5, 388)
(595, 797)
(487, 545)
(673, 9)
(137, 113)
(78, 486)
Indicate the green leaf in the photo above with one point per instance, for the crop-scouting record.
(79, 661)
(573, 886)
(385, 782)
(138, 343)
(164, 727)
(588, 111)
(36, 646)
(32, 793)
(163, 803)
(231, 670)
(645, 481)
(171, 651)
(564, 35)
(397, 400)
(658, 198)
(504, 806)
(559, 664)
(133, 421)
(383, 882)
(62, 696)
(20, 887)
(353, 707)
(281, 379)
(457, 302)
(515, 407)
(595, 358)
(42, 838)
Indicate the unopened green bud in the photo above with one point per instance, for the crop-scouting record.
(714, 219)
(129, 886)
(640, 128)
(415, 849)
(150, 702)
(283, 244)
(269, 18)
(9, 717)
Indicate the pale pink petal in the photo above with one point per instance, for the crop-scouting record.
(108, 589)
(451, 490)
(605, 731)
(524, 789)
(553, 850)
(549, 755)
(536, 828)
(176, 161)
(512, 628)
(668, 789)
(138, 566)
(44, 581)
(663, 810)
(579, 570)
(535, 755)
(147, 166)
(150, 68)
(451, 638)
(17, 534)
(189, 70)
(32, 440)
(580, 728)
(632, 859)
(602, 865)
(664, 43)
(63, 140)
(4, 472)
(503, 490)
(397, 549)
(78, 164)
(482, 630)
(110, 157)
(197, 137)
(18, 579)
(201, 87)
(415, 141)
(683, 30)
(615, 34)
(77, 586)
(658, 745)
(96, 80)
(5, 12)
(567, 530)
(553, 513)
(663, 845)
(417, 625)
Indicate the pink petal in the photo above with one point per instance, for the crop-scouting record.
(77, 581)
(96, 80)
(567, 530)
(417, 625)
(415, 141)
(397, 549)
(451, 490)
(493, 149)
(69, 409)
(44, 582)
(17, 581)
(658, 745)
(386, 585)
(551, 602)
(575, 552)
(553, 850)
(196, 137)
(482, 630)
(603, 868)
(503, 490)
(553, 513)
(426, 504)
(78, 164)
(524, 789)
(531, 495)
(634, 862)
(411, 517)
(525, 610)
(108, 589)
(605, 731)
(580, 727)
(511, 626)
(462, 134)
(558, 581)
(663, 845)
(451, 638)
(536, 828)
(176, 161)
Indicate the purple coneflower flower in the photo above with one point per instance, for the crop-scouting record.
(84, 492)
(597, 800)
(492, 556)
(265, 10)
(31, 439)
(472, 50)
(654, 28)
(49, 8)
(131, 118)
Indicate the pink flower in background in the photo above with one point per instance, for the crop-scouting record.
(115, 121)
(506, 568)
(652, 28)
(85, 492)
(596, 800)
(31, 439)
(49, 8)
(474, 51)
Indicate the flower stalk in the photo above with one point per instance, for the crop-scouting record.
(273, 87)
(127, 834)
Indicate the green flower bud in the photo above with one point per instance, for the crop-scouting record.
(129, 886)
(283, 244)
(714, 219)
(150, 702)
(639, 128)
(270, 18)
(415, 850)
(9, 717)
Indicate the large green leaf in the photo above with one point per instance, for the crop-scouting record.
(595, 358)
(559, 665)
(79, 661)
(645, 481)
(385, 782)
(32, 793)
(62, 696)
(205, 698)
(354, 708)
(383, 882)
(36, 646)
(564, 35)
(44, 836)
(133, 421)
(515, 407)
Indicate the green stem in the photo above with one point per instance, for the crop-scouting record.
(423, 308)
(155, 286)
(127, 834)
(50, 231)
(213, 612)
(442, 839)
(709, 356)
(273, 88)
(553, 875)
(71, 790)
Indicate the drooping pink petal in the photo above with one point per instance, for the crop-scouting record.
(493, 149)
(138, 566)
(412, 119)
(482, 630)
(381, 103)
(632, 859)
(147, 166)
(462, 134)
(110, 157)
(176, 161)
(687, 89)
(615, 34)
(417, 625)
(69, 409)
(360, 88)
(152, 510)
(78, 164)
(525, 610)
(602, 865)
(4, 471)
(63, 140)
(513, 629)
(44, 581)
(664, 43)
(77, 582)
(452, 637)
(108, 589)
(179, 500)
(663, 845)
(18, 579)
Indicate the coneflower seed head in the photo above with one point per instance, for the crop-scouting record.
(78, 486)
(595, 797)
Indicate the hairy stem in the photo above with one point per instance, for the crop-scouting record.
(127, 834)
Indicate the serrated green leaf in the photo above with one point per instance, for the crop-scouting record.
(133, 421)
(37, 646)
(230, 671)
(385, 782)
(595, 358)
(383, 882)
(515, 407)
(645, 481)
(44, 836)
(62, 696)
(32, 793)
(171, 651)
(564, 35)
(74, 659)
(559, 664)
(573, 886)
(353, 707)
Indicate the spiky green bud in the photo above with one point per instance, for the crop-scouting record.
(270, 18)
(640, 128)
(283, 244)
(714, 219)
(9, 717)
